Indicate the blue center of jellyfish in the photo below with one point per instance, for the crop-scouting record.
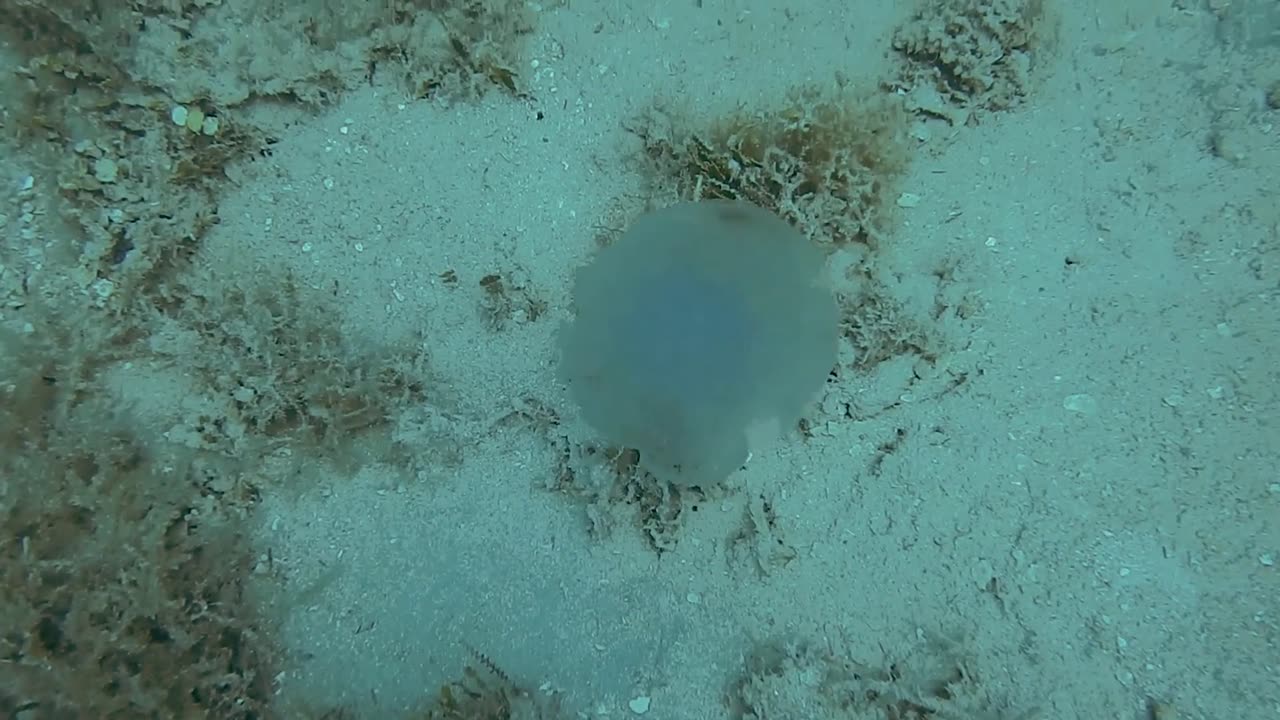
(691, 338)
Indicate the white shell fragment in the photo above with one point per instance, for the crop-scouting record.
(1081, 403)
(639, 705)
(105, 170)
